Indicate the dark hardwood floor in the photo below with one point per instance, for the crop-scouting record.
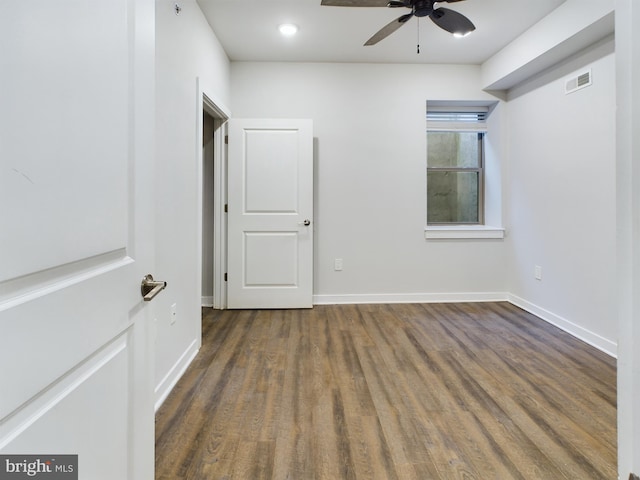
(419, 391)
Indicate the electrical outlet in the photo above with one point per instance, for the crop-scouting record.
(173, 314)
(337, 264)
(537, 272)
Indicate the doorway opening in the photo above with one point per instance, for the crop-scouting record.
(208, 203)
(211, 150)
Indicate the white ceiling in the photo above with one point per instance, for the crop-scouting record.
(248, 31)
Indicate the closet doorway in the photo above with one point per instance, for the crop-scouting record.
(213, 199)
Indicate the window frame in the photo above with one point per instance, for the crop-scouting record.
(457, 118)
(479, 170)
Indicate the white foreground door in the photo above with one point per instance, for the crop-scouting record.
(270, 223)
(76, 152)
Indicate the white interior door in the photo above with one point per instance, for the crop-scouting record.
(76, 149)
(270, 223)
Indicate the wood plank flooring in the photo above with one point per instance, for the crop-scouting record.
(418, 391)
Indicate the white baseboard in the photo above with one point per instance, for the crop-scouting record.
(607, 346)
(174, 374)
(207, 302)
(410, 298)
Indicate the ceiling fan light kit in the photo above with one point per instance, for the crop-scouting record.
(288, 29)
(445, 18)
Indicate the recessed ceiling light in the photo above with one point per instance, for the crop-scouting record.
(288, 29)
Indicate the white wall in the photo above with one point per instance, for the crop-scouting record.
(186, 49)
(370, 197)
(561, 211)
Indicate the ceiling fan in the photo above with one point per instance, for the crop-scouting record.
(445, 18)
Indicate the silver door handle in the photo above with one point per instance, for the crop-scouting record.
(149, 287)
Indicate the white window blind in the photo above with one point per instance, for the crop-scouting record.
(458, 119)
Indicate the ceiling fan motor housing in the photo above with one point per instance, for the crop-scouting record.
(422, 8)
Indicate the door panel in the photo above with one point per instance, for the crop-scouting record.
(57, 331)
(104, 376)
(271, 166)
(271, 259)
(76, 144)
(270, 246)
(59, 160)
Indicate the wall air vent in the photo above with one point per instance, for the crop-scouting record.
(578, 82)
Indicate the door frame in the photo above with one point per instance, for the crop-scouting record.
(206, 102)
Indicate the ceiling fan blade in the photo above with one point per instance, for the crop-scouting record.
(388, 29)
(451, 21)
(355, 3)
(397, 3)
(448, 1)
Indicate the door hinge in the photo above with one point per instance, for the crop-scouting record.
(226, 208)
(225, 277)
(226, 139)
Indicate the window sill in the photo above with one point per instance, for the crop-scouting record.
(437, 232)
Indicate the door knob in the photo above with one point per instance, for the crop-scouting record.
(149, 287)
(306, 223)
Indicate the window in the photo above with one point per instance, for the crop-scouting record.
(455, 165)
